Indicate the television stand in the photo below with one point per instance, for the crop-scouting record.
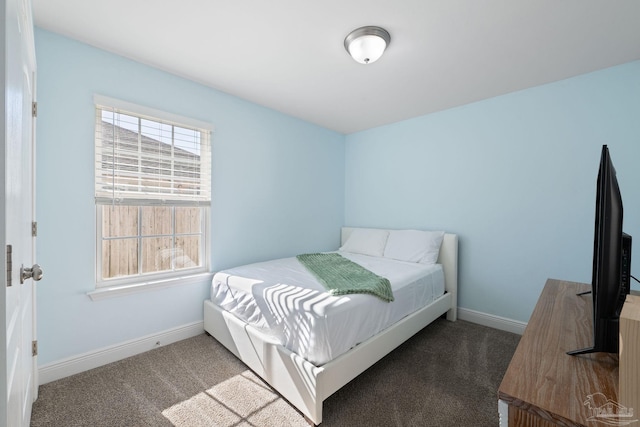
(544, 386)
(582, 351)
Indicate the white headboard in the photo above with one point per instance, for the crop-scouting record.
(448, 257)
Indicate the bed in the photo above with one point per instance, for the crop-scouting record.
(307, 371)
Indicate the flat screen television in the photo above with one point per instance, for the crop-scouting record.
(611, 261)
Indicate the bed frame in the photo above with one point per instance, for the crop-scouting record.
(305, 385)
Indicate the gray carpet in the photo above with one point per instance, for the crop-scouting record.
(446, 375)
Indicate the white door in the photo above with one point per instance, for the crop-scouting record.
(18, 209)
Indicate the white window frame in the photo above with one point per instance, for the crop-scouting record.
(140, 281)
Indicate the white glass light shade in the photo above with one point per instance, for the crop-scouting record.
(367, 44)
(367, 49)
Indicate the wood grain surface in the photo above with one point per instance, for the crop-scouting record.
(547, 386)
(630, 354)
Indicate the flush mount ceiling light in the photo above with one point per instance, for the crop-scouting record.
(367, 44)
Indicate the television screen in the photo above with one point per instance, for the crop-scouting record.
(611, 252)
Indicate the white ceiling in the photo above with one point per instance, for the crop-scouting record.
(289, 54)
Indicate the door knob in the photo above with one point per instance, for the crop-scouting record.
(34, 273)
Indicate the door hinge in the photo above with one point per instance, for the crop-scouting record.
(34, 109)
(9, 264)
(34, 348)
(34, 228)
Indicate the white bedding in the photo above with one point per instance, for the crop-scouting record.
(282, 298)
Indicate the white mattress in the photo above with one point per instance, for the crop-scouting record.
(284, 299)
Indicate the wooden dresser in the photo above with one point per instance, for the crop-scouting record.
(543, 386)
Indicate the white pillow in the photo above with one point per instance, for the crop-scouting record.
(366, 242)
(414, 245)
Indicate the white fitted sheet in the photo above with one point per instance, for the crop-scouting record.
(283, 299)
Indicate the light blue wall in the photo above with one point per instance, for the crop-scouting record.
(514, 176)
(278, 190)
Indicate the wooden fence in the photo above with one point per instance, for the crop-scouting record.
(149, 239)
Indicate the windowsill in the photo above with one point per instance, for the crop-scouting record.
(122, 290)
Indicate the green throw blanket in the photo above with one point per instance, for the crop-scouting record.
(342, 276)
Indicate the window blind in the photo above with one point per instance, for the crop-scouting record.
(145, 160)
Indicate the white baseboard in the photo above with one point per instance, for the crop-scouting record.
(492, 321)
(93, 359)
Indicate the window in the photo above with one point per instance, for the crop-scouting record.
(152, 194)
